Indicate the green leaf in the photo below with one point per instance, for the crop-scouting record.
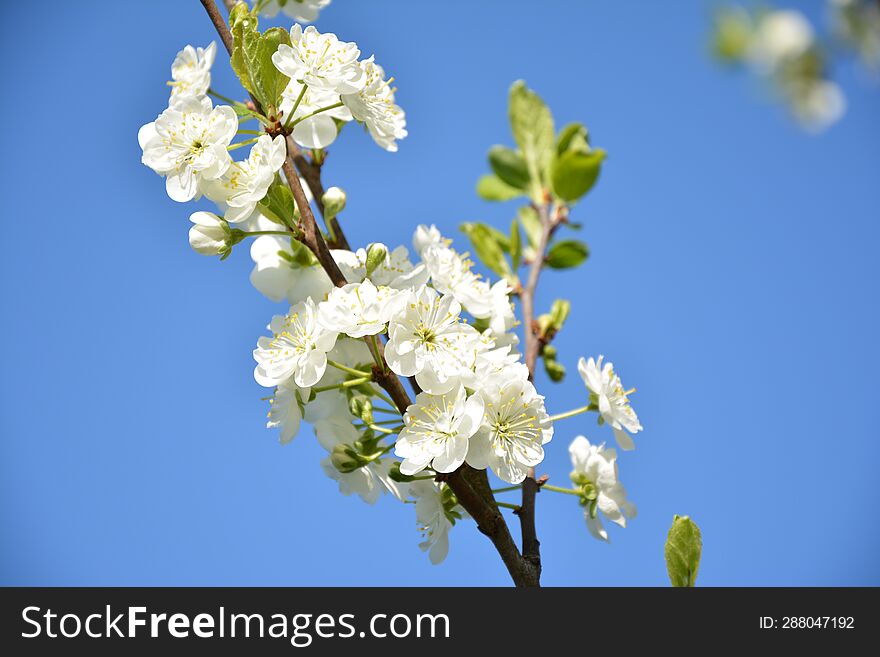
(559, 313)
(278, 205)
(531, 223)
(567, 254)
(574, 173)
(573, 136)
(492, 188)
(252, 57)
(515, 245)
(509, 166)
(487, 247)
(684, 546)
(269, 81)
(532, 126)
(245, 40)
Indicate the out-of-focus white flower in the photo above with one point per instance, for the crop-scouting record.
(780, 36)
(358, 309)
(515, 426)
(611, 399)
(427, 340)
(285, 412)
(368, 482)
(374, 106)
(245, 183)
(191, 71)
(304, 11)
(818, 104)
(188, 143)
(425, 236)
(321, 61)
(595, 473)
(437, 431)
(434, 518)
(298, 348)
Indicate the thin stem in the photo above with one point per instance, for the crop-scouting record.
(288, 123)
(376, 427)
(250, 233)
(345, 384)
(251, 132)
(385, 398)
(572, 413)
(377, 409)
(225, 99)
(242, 144)
(317, 111)
(376, 353)
(557, 489)
(345, 368)
(507, 505)
(506, 489)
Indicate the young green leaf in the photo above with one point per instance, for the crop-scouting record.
(245, 39)
(491, 188)
(515, 245)
(509, 166)
(532, 126)
(573, 136)
(684, 547)
(268, 79)
(567, 254)
(531, 223)
(487, 247)
(574, 173)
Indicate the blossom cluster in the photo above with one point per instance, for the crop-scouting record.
(189, 143)
(477, 405)
(781, 46)
(429, 318)
(330, 85)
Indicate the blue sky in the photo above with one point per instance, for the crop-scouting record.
(733, 281)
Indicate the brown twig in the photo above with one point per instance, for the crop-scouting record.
(531, 546)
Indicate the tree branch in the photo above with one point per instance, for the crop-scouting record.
(470, 486)
(531, 546)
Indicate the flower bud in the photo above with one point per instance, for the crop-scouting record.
(209, 235)
(345, 459)
(334, 202)
(376, 255)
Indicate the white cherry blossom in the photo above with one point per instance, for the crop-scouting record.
(432, 518)
(245, 183)
(374, 106)
(191, 71)
(425, 236)
(285, 412)
(437, 429)
(298, 348)
(611, 398)
(304, 11)
(426, 339)
(321, 61)
(595, 473)
(188, 143)
(515, 426)
(358, 309)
